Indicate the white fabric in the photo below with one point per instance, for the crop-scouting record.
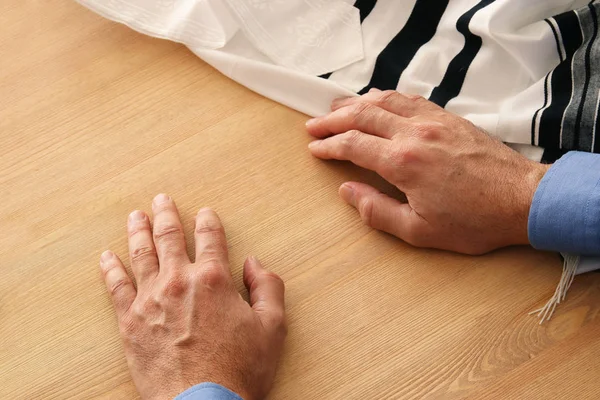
(311, 36)
(433, 58)
(279, 47)
(384, 22)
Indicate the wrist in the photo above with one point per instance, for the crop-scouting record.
(162, 389)
(530, 184)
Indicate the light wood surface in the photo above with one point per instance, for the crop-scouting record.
(96, 119)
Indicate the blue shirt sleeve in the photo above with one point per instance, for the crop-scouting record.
(565, 212)
(208, 391)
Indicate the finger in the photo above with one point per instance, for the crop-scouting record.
(404, 105)
(211, 244)
(168, 233)
(360, 116)
(267, 294)
(363, 150)
(384, 213)
(119, 285)
(142, 253)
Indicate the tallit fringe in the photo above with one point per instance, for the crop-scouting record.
(569, 269)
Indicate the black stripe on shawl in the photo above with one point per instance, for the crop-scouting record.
(560, 56)
(551, 155)
(558, 49)
(561, 82)
(456, 73)
(418, 30)
(365, 7)
(535, 115)
(588, 72)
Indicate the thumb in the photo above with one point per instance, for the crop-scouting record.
(384, 213)
(266, 290)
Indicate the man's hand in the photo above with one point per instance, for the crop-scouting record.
(466, 191)
(185, 323)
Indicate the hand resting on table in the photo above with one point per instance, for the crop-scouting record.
(183, 322)
(466, 192)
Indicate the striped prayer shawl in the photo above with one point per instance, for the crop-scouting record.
(566, 117)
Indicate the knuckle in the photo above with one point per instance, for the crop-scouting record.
(118, 286)
(273, 277)
(143, 253)
(211, 274)
(365, 209)
(403, 155)
(279, 322)
(212, 242)
(108, 269)
(386, 165)
(138, 228)
(140, 310)
(416, 98)
(208, 225)
(447, 117)
(358, 110)
(345, 144)
(385, 98)
(349, 139)
(429, 130)
(167, 232)
(269, 277)
(175, 286)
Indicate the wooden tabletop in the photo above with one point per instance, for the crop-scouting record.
(96, 119)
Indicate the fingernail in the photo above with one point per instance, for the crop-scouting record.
(137, 216)
(347, 193)
(314, 144)
(312, 122)
(106, 256)
(161, 198)
(252, 260)
(374, 90)
(204, 209)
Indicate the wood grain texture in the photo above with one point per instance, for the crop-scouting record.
(96, 119)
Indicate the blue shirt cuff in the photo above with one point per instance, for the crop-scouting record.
(208, 391)
(565, 212)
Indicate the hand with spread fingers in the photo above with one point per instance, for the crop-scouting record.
(184, 323)
(467, 192)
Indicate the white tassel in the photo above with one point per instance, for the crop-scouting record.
(569, 270)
